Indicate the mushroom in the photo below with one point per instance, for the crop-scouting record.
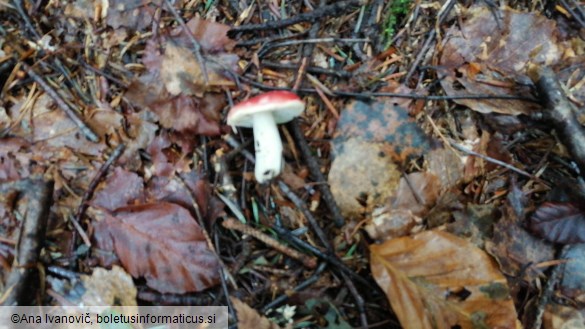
(262, 113)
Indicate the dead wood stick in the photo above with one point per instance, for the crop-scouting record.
(232, 224)
(300, 204)
(561, 113)
(549, 289)
(318, 176)
(333, 260)
(300, 287)
(20, 282)
(96, 180)
(71, 113)
(89, 194)
(335, 9)
(444, 13)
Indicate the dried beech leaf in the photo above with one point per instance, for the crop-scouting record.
(248, 318)
(559, 223)
(121, 188)
(563, 317)
(109, 288)
(437, 280)
(162, 243)
(573, 279)
(476, 62)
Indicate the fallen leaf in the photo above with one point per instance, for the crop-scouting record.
(446, 165)
(14, 159)
(50, 128)
(559, 223)
(437, 280)
(133, 14)
(160, 242)
(573, 278)
(404, 209)
(174, 88)
(121, 188)
(193, 184)
(516, 249)
(476, 62)
(563, 317)
(249, 318)
(321, 308)
(108, 288)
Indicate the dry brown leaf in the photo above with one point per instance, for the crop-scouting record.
(446, 165)
(563, 317)
(109, 288)
(161, 242)
(514, 248)
(249, 318)
(120, 188)
(437, 280)
(403, 212)
(476, 62)
(133, 14)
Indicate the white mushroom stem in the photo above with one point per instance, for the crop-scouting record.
(268, 147)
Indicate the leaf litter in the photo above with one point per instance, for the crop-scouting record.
(134, 76)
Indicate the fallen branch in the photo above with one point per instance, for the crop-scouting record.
(232, 224)
(85, 130)
(335, 9)
(20, 283)
(560, 112)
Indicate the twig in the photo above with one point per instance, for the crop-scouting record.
(72, 114)
(577, 13)
(32, 233)
(430, 39)
(561, 113)
(196, 45)
(157, 298)
(494, 161)
(310, 218)
(318, 176)
(88, 194)
(331, 259)
(310, 69)
(19, 4)
(359, 300)
(118, 151)
(334, 9)
(233, 224)
(223, 280)
(549, 289)
(303, 285)
(369, 95)
(313, 41)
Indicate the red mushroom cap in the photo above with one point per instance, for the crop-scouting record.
(284, 106)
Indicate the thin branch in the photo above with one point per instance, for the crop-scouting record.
(71, 113)
(334, 9)
(233, 224)
(318, 176)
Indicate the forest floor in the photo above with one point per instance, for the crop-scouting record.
(432, 181)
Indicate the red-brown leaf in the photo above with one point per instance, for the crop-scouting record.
(559, 223)
(120, 189)
(162, 243)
